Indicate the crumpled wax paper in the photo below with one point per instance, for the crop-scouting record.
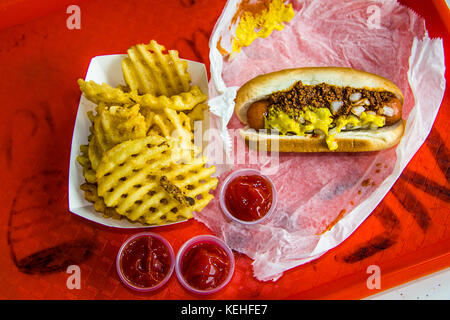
(320, 191)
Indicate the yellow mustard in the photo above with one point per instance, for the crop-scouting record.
(252, 26)
(309, 120)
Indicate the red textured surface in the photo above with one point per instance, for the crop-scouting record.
(408, 234)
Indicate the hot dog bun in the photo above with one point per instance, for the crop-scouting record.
(261, 87)
(264, 85)
(348, 141)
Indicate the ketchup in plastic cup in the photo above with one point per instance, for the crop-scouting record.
(205, 264)
(145, 261)
(247, 196)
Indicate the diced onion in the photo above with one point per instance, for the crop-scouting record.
(318, 132)
(388, 111)
(358, 110)
(350, 126)
(355, 96)
(332, 131)
(336, 105)
(373, 126)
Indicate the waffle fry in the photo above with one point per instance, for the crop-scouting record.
(148, 70)
(83, 160)
(197, 113)
(180, 102)
(176, 125)
(140, 161)
(134, 177)
(99, 93)
(90, 194)
(112, 125)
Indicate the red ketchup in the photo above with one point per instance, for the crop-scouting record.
(249, 198)
(205, 266)
(145, 262)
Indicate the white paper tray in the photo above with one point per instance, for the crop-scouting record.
(106, 69)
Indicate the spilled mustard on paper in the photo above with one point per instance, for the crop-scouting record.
(260, 25)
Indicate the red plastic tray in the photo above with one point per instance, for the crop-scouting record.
(407, 236)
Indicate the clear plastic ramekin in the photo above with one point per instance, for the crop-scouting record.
(246, 172)
(163, 281)
(187, 246)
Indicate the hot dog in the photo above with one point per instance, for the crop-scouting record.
(321, 109)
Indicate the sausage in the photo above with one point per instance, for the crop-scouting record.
(256, 113)
(394, 111)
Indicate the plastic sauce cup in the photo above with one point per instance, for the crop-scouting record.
(246, 172)
(184, 251)
(120, 256)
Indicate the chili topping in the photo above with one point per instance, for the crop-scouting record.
(324, 95)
